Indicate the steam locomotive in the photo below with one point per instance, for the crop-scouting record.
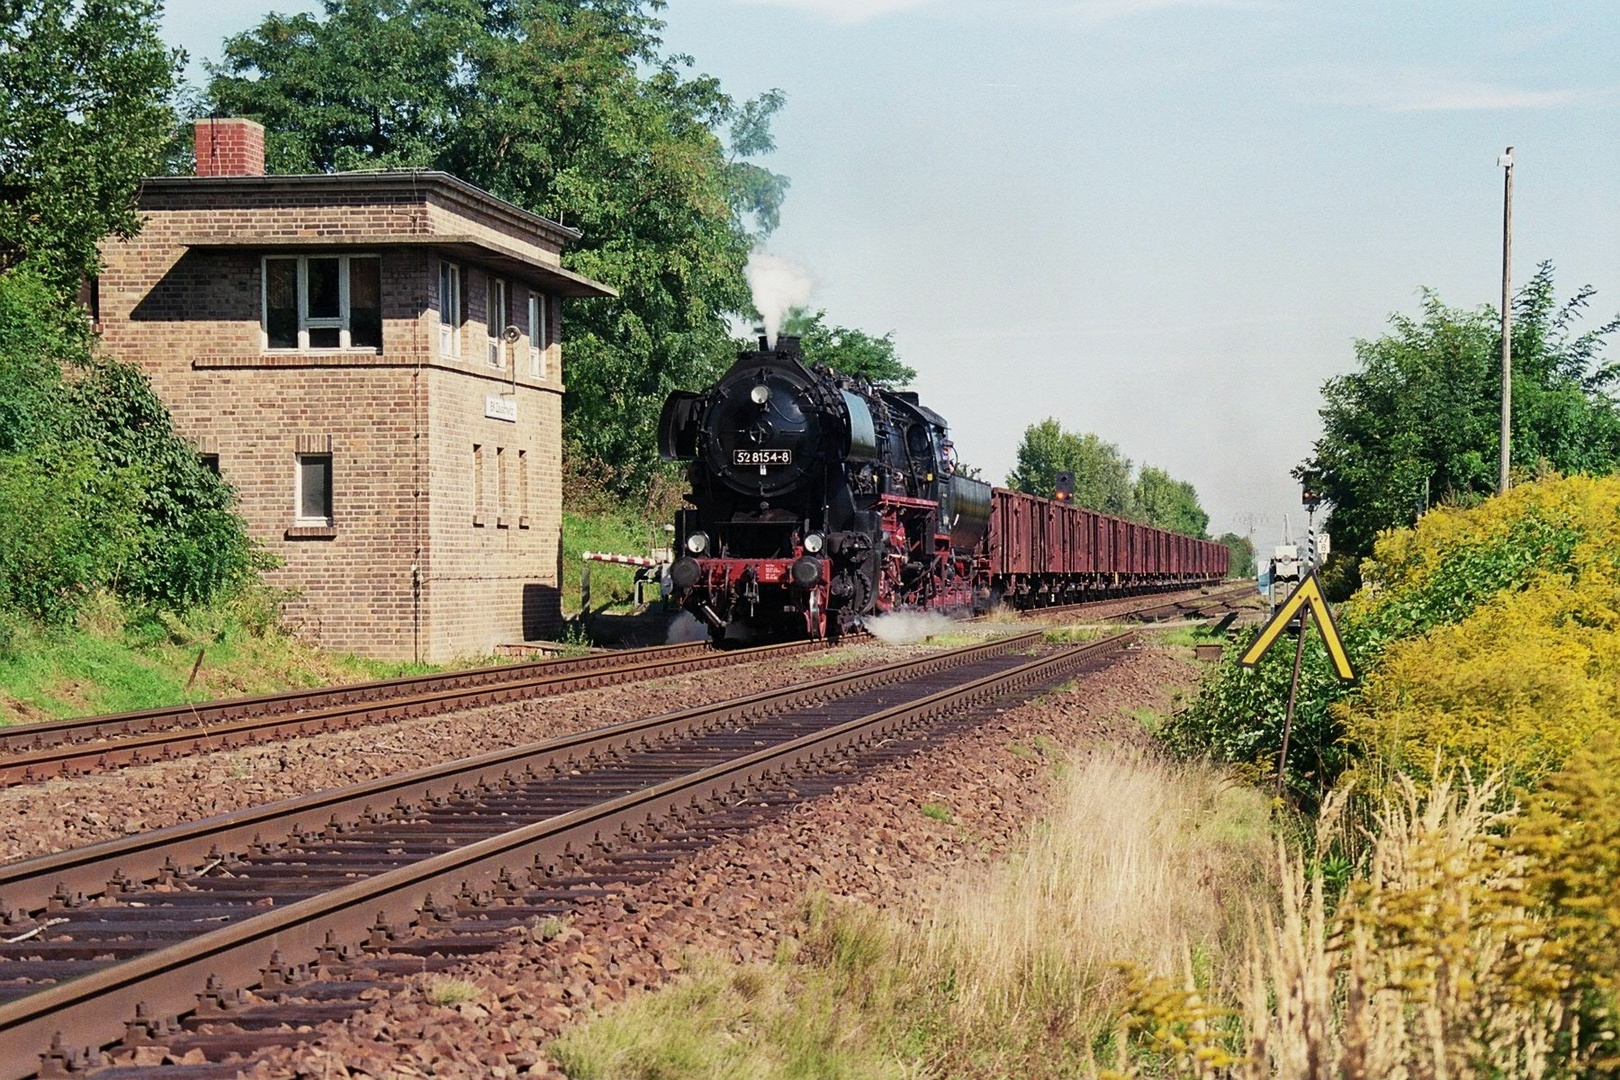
(818, 499)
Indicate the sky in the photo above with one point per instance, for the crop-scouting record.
(1163, 221)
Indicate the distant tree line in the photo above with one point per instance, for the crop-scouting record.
(1104, 479)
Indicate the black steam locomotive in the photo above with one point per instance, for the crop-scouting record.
(817, 500)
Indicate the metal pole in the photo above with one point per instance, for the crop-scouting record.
(1506, 161)
(1293, 695)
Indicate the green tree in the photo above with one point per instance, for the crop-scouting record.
(853, 352)
(1422, 413)
(1241, 564)
(85, 114)
(1102, 475)
(570, 109)
(1169, 503)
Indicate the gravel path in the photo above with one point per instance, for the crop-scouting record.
(60, 814)
(869, 842)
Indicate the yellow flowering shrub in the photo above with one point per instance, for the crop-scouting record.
(1525, 678)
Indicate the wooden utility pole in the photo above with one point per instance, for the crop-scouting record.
(1506, 161)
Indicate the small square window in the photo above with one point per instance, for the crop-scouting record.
(210, 462)
(314, 494)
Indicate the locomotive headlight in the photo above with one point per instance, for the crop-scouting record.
(697, 543)
(814, 543)
(760, 394)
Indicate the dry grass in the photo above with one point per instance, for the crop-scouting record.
(1429, 967)
(1142, 862)
(1013, 971)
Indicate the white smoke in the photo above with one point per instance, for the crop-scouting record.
(779, 286)
(684, 628)
(907, 627)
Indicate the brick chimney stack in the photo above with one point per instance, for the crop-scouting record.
(230, 147)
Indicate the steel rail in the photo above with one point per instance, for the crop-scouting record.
(443, 694)
(29, 885)
(92, 1010)
(1218, 594)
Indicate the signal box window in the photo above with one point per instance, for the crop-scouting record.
(323, 302)
(539, 337)
(449, 309)
(314, 494)
(496, 320)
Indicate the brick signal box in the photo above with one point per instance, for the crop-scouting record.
(374, 360)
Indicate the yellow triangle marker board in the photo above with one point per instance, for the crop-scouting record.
(1309, 592)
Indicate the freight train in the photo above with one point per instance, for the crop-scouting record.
(818, 500)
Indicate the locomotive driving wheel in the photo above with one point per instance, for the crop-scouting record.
(815, 616)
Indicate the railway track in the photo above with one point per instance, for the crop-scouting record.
(228, 934)
(1149, 608)
(33, 752)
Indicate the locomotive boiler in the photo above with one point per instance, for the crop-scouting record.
(817, 500)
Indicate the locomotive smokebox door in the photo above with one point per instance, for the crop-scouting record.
(1064, 488)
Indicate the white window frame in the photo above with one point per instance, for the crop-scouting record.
(450, 329)
(305, 323)
(299, 519)
(496, 326)
(539, 343)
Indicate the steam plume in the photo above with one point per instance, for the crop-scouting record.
(907, 627)
(779, 286)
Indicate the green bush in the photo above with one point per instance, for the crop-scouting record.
(96, 488)
(1438, 574)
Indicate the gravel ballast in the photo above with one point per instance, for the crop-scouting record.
(72, 812)
(869, 842)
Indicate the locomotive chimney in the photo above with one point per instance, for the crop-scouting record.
(229, 146)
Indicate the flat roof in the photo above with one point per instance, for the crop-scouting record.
(556, 279)
(392, 181)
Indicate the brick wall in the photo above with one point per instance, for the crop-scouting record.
(400, 425)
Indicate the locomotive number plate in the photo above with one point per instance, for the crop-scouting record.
(762, 457)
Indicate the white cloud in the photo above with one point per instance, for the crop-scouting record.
(1427, 90)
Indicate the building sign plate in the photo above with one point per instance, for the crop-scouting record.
(500, 408)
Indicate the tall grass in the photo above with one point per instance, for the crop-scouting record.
(1141, 862)
(1012, 970)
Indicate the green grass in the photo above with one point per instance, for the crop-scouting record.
(115, 661)
(826, 659)
(447, 992)
(1201, 634)
(1071, 635)
(938, 811)
(614, 532)
(782, 1021)
(1150, 719)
